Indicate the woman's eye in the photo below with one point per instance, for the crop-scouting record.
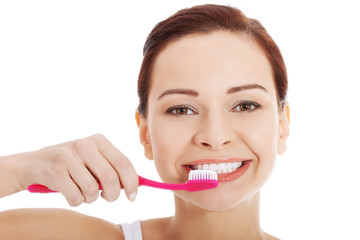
(246, 106)
(180, 110)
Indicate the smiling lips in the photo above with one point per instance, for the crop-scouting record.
(228, 170)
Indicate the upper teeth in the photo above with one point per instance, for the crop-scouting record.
(219, 167)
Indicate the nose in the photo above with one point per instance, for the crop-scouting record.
(214, 133)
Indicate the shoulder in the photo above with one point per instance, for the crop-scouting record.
(156, 228)
(55, 224)
(270, 237)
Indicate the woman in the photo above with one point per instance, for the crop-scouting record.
(212, 90)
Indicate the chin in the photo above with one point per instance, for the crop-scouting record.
(215, 200)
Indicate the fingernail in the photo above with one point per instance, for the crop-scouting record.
(132, 196)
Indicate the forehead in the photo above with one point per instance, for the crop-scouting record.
(220, 59)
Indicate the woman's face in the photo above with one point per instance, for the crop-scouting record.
(213, 104)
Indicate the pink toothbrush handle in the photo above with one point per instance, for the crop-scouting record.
(38, 188)
(198, 180)
(168, 186)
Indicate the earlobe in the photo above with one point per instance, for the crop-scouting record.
(144, 135)
(284, 122)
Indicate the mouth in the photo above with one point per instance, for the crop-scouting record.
(218, 167)
(228, 170)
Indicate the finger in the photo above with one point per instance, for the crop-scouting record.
(88, 152)
(107, 177)
(71, 191)
(85, 181)
(122, 165)
(57, 177)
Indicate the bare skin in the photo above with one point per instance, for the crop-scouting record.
(41, 224)
(72, 168)
(211, 122)
(178, 227)
(198, 79)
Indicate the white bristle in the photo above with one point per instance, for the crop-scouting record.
(203, 175)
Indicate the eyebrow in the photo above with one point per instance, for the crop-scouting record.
(179, 91)
(245, 87)
(195, 93)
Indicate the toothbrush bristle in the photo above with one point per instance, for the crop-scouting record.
(202, 175)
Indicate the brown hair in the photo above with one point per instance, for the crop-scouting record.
(205, 19)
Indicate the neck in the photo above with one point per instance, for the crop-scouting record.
(240, 222)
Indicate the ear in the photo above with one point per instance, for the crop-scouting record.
(145, 139)
(284, 122)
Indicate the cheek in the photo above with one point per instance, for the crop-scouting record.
(261, 138)
(168, 144)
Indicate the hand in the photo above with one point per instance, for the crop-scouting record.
(73, 168)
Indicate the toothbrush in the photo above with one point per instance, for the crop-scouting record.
(198, 180)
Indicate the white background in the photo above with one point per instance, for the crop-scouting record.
(68, 69)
